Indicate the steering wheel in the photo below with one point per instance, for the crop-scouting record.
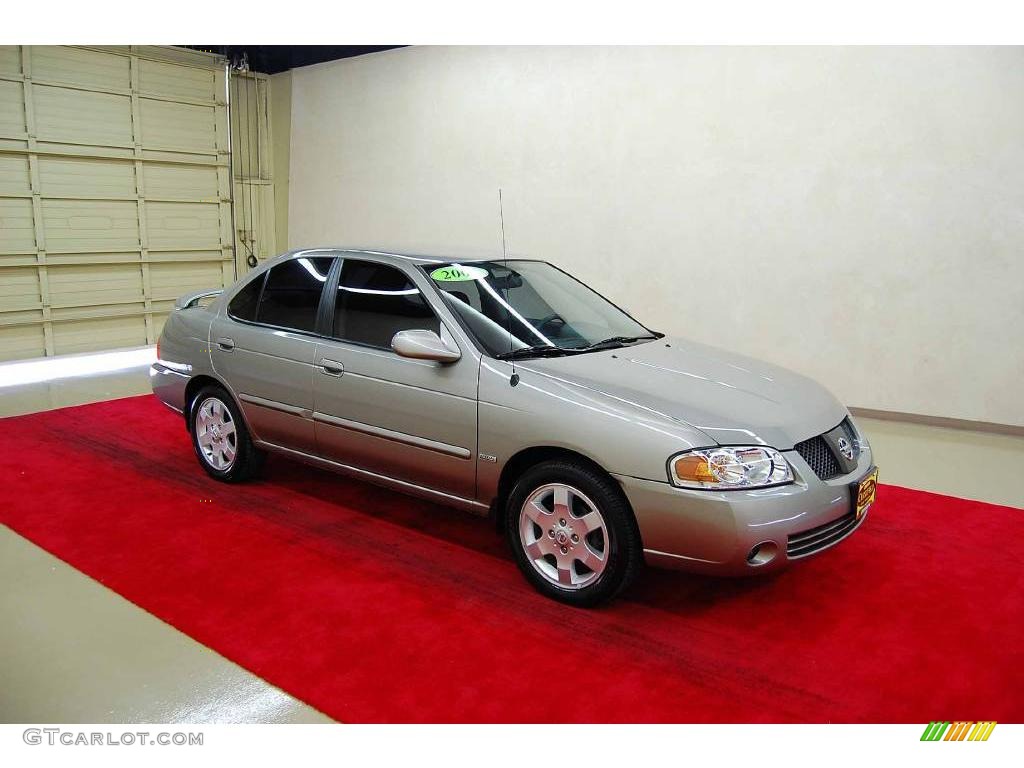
(555, 318)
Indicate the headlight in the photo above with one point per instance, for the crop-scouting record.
(725, 469)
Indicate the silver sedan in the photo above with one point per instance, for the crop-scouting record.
(509, 388)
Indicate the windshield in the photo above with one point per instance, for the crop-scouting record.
(526, 308)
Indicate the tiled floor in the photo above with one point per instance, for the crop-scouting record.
(73, 651)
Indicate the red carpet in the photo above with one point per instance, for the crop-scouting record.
(375, 607)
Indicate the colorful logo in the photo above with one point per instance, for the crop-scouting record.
(958, 731)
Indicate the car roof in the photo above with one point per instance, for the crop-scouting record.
(387, 256)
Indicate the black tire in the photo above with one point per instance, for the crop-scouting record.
(247, 460)
(622, 548)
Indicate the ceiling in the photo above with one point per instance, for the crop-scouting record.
(272, 59)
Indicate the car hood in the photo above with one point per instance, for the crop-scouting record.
(733, 399)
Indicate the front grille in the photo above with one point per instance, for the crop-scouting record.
(816, 539)
(819, 457)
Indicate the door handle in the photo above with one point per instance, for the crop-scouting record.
(331, 367)
(226, 344)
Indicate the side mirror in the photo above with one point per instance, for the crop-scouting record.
(424, 345)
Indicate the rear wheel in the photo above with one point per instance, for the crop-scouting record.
(220, 438)
(573, 533)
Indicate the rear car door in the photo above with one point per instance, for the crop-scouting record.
(264, 344)
(410, 420)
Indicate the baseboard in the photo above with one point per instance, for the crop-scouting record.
(940, 421)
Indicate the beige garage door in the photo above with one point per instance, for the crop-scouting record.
(115, 191)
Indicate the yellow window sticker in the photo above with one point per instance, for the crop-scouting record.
(456, 273)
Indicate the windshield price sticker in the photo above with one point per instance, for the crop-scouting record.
(456, 273)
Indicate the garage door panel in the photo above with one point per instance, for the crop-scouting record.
(170, 280)
(17, 231)
(93, 335)
(82, 67)
(112, 179)
(20, 342)
(81, 177)
(93, 257)
(156, 257)
(185, 126)
(76, 225)
(121, 310)
(175, 81)
(12, 109)
(183, 182)
(18, 260)
(14, 178)
(158, 322)
(178, 225)
(82, 117)
(10, 59)
(19, 289)
(86, 285)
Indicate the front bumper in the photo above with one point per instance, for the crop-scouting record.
(715, 532)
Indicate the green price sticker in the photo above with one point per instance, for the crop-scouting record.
(456, 273)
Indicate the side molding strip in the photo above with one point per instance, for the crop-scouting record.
(373, 477)
(398, 437)
(273, 405)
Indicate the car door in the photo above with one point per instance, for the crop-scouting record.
(410, 420)
(264, 346)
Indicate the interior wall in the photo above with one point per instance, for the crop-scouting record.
(254, 170)
(280, 122)
(856, 214)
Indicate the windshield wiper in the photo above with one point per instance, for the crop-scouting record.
(541, 350)
(614, 342)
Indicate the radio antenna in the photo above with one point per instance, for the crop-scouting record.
(508, 307)
(501, 218)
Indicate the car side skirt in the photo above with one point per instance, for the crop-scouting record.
(459, 502)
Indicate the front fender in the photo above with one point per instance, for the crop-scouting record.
(541, 411)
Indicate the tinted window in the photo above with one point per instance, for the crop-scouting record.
(375, 302)
(243, 306)
(292, 293)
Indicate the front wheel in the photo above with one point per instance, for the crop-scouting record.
(573, 533)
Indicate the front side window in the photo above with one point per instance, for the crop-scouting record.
(376, 301)
(292, 292)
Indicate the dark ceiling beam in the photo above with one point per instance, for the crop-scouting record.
(271, 59)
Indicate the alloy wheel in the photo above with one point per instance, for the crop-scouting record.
(216, 434)
(564, 536)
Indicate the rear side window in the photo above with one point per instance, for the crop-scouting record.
(243, 306)
(375, 302)
(292, 292)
